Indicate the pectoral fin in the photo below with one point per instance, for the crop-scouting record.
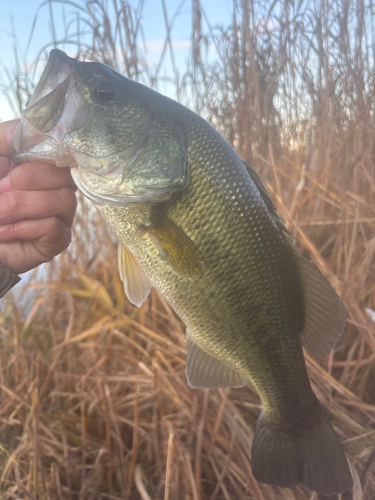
(205, 371)
(325, 314)
(178, 248)
(136, 283)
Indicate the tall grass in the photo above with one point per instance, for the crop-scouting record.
(95, 401)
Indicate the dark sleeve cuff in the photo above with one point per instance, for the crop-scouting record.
(7, 280)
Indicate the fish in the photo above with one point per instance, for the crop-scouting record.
(194, 221)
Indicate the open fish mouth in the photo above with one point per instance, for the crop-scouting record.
(56, 109)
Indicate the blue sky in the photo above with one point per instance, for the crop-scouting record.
(21, 14)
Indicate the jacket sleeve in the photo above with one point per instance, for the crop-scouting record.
(7, 280)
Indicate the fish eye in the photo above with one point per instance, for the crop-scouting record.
(104, 92)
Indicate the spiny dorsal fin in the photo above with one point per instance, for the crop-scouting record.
(205, 371)
(137, 285)
(179, 249)
(267, 200)
(325, 314)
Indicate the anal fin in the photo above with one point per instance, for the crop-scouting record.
(205, 371)
(137, 285)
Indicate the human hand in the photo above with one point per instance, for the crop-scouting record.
(37, 207)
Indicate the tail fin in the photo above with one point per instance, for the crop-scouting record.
(312, 458)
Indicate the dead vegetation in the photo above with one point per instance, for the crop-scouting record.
(95, 402)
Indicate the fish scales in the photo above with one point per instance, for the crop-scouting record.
(194, 221)
(215, 211)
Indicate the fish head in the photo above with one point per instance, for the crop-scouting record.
(120, 146)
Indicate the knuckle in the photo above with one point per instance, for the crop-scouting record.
(12, 207)
(16, 202)
(54, 226)
(71, 197)
(50, 240)
(21, 177)
(68, 206)
(64, 242)
(67, 198)
(59, 234)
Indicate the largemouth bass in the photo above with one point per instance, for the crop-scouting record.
(194, 221)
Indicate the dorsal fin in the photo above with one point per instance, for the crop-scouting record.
(205, 371)
(325, 314)
(267, 200)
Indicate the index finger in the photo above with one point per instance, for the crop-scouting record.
(36, 177)
(7, 130)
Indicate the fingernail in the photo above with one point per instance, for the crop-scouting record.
(11, 130)
(5, 185)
